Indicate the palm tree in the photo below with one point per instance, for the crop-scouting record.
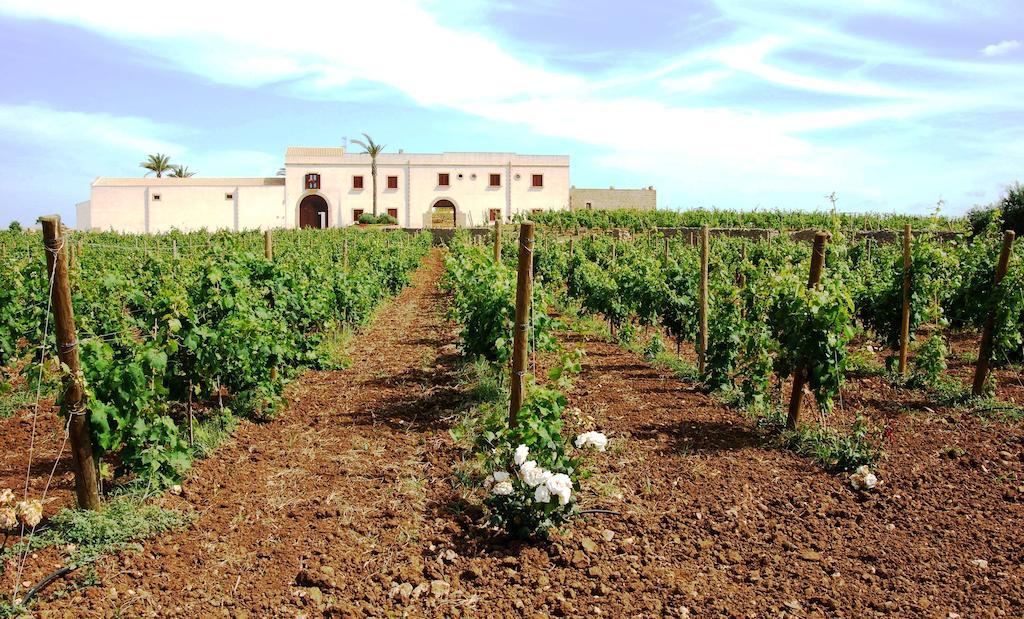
(372, 149)
(181, 171)
(158, 163)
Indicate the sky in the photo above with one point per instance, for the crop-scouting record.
(894, 105)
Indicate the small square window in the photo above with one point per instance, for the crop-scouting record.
(356, 214)
(313, 181)
(392, 182)
(442, 180)
(156, 197)
(393, 212)
(536, 210)
(357, 182)
(229, 196)
(494, 214)
(538, 180)
(495, 180)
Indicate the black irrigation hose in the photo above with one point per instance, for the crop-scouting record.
(45, 582)
(599, 511)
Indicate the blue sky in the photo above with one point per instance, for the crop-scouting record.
(892, 104)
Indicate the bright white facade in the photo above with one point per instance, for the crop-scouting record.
(328, 187)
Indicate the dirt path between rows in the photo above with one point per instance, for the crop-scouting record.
(304, 514)
(350, 493)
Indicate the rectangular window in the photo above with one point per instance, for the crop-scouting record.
(538, 180)
(229, 196)
(494, 214)
(392, 182)
(357, 182)
(536, 210)
(156, 197)
(313, 181)
(356, 214)
(495, 180)
(393, 212)
(442, 180)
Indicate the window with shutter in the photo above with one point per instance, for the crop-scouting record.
(538, 180)
(392, 182)
(495, 180)
(442, 180)
(357, 182)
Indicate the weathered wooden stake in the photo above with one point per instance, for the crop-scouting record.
(174, 249)
(344, 255)
(497, 241)
(800, 375)
(520, 349)
(268, 244)
(702, 337)
(985, 350)
(664, 254)
(905, 318)
(73, 402)
(743, 260)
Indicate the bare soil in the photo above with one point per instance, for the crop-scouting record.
(349, 494)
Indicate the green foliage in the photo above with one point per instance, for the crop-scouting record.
(216, 322)
(772, 219)
(834, 450)
(483, 303)
(813, 327)
(929, 362)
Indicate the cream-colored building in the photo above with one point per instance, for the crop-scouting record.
(328, 187)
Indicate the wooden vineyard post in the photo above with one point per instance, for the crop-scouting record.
(985, 351)
(174, 249)
(571, 254)
(743, 260)
(905, 319)
(268, 245)
(664, 253)
(702, 337)
(497, 241)
(524, 284)
(344, 255)
(73, 404)
(800, 375)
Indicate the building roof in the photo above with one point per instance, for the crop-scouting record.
(314, 151)
(302, 155)
(194, 181)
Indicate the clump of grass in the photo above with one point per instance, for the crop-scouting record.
(833, 449)
(121, 524)
(860, 363)
(212, 432)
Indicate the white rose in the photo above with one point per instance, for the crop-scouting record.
(526, 466)
(30, 512)
(596, 440)
(536, 476)
(500, 476)
(8, 518)
(561, 486)
(521, 452)
(503, 488)
(542, 494)
(6, 496)
(863, 479)
(488, 481)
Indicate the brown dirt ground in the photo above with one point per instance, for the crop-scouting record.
(348, 492)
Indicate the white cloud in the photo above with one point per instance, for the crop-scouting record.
(87, 132)
(330, 49)
(1003, 47)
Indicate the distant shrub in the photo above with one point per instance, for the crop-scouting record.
(383, 218)
(1010, 206)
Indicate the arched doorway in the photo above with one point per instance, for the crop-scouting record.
(313, 212)
(442, 214)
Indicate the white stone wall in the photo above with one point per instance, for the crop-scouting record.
(129, 204)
